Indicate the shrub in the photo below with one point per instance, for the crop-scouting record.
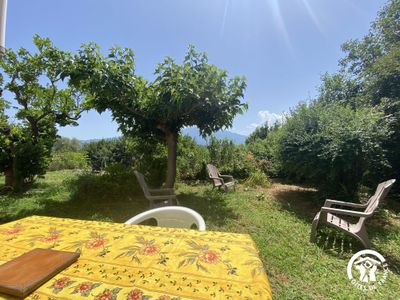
(146, 156)
(265, 151)
(192, 159)
(332, 146)
(257, 178)
(116, 183)
(231, 159)
(68, 160)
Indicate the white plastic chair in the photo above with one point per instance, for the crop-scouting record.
(171, 216)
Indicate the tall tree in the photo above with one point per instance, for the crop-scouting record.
(374, 62)
(42, 100)
(194, 93)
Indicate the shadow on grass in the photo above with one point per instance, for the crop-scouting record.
(210, 204)
(340, 245)
(303, 202)
(104, 198)
(86, 196)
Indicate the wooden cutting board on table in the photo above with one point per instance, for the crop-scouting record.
(24, 274)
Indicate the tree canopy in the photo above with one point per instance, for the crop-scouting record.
(42, 99)
(194, 93)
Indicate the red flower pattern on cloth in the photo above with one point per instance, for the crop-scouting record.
(136, 294)
(150, 249)
(83, 287)
(51, 237)
(60, 283)
(209, 256)
(96, 243)
(164, 297)
(14, 230)
(107, 294)
(54, 235)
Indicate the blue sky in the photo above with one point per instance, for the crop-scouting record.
(281, 46)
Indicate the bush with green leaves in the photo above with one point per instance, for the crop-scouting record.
(136, 153)
(68, 160)
(332, 146)
(117, 182)
(265, 150)
(191, 159)
(230, 158)
(257, 178)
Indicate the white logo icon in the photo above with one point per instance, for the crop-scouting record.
(367, 270)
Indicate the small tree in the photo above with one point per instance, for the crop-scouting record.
(40, 103)
(195, 93)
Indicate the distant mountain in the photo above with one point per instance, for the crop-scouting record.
(194, 133)
(222, 134)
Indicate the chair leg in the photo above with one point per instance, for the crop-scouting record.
(363, 238)
(313, 235)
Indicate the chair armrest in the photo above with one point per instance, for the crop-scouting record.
(218, 178)
(345, 212)
(226, 176)
(329, 202)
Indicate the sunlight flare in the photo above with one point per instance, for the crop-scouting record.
(224, 17)
(281, 23)
(313, 16)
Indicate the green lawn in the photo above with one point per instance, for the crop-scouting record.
(279, 223)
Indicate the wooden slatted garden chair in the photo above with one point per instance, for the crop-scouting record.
(220, 181)
(331, 216)
(157, 197)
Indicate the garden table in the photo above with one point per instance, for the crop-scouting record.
(121, 261)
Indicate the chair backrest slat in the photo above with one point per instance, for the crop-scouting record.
(212, 171)
(380, 193)
(142, 183)
(214, 175)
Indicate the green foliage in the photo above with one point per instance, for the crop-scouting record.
(68, 160)
(260, 196)
(136, 153)
(265, 152)
(261, 132)
(350, 133)
(43, 99)
(332, 146)
(257, 178)
(374, 62)
(230, 158)
(100, 153)
(117, 181)
(191, 159)
(194, 93)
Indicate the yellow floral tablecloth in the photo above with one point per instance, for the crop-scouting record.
(140, 262)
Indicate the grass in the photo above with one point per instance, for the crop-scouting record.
(279, 222)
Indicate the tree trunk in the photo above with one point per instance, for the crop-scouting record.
(9, 177)
(171, 138)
